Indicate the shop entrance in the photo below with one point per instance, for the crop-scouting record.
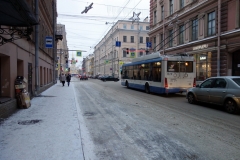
(236, 63)
(203, 65)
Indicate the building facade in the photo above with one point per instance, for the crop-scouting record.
(89, 65)
(62, 50)
(109, 56)
(207, 30)
(19, 45)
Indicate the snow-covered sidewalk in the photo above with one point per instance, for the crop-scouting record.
(49, 129)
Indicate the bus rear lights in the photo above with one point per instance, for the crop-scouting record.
(166, 83)
(194, 82)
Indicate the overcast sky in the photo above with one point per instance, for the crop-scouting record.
(84, 31)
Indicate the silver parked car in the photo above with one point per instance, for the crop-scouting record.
(223, 90)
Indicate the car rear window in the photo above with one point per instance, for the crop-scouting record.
(236, 80)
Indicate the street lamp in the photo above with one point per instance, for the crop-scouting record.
(112, 42)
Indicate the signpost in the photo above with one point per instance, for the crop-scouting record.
(79, 53)
(49, 42)
(149, 44)
(118, 43)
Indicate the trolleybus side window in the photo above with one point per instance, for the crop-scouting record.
(145, 71)
(180, 66)
(156, 71)
(138, 72)
(135, 71)
(130, 72)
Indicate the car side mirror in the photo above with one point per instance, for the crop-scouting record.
(198, 86)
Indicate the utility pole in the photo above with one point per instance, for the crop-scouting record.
(54, 46)
(134, 18)
(138, 31)
(163, 29)
(112, 51)
(36, 48)
(219, 40)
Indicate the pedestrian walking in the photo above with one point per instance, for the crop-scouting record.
(63, 78)
(68, 79)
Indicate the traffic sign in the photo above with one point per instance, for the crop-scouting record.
(79, 53)
(118, 43)
(149, 44)
(49, 42)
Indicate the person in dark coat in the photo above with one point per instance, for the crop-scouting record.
(63, 78)
(68, 79)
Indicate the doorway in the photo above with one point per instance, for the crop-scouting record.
(236, 63)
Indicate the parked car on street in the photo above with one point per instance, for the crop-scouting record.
(83, 77)
(109, 78)
(223, 90)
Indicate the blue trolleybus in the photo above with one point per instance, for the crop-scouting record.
(160, 74)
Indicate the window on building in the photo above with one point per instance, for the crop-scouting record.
(132, 39)
(211, 24)
(147, 27)
(141, 39)
(155, 17)
(162, 12)
(161, 41)
(154, 43)
(194, 29)
(140, 28)
(170, 33)
(124, 53)
(124, 26)
(132, 26)
(124, 38)
(181, 4)
(147, 39)
(181, 33)
(171, 6)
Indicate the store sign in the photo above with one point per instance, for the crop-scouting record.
(200, 47)
(203, 58)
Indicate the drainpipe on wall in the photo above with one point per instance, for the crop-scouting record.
(219, 34)
(36, 49)
(54, 49)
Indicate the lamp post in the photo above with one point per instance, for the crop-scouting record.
(112, 43)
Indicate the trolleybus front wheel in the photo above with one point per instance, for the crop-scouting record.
(127, 84)
(147, 90)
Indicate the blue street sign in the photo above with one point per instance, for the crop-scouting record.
(118, 43)
(149, 44)
(49, 42)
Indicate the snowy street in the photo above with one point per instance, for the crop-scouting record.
(92, 119)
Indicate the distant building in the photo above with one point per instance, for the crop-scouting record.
(62, 51)
(108, 57)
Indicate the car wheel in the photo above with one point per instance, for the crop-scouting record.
(191, 98)
(127, 84)
(104, 80)
(231, 106)
(147, 90)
